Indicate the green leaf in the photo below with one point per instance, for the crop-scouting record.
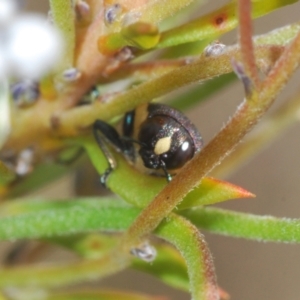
(84, 215)
(64, 18)
(139, 189)
(248, 226)
(215, 23)
(157, 11)
(42, 219)
(135, 188)
(149, 12)
(111, 43)
(211, 191)
(187, 49)
(260, 7)
(54, 219)
(39, 219)
(141, 35)
(91, 245)
(190, 243)
(62, 274)
(169, 266)
(280, 36)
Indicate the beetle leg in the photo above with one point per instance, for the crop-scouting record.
(168, 175)
(101, 132)
(109, 132)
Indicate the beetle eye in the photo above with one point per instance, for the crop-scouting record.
(179, 156)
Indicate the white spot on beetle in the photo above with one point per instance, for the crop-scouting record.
(163, 145)
(185, 146)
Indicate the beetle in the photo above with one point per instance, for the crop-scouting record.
(156, 138)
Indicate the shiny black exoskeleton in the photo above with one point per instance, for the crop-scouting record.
(154, 137)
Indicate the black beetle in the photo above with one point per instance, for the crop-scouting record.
(156, 138)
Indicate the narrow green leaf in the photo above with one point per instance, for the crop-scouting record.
(64, 18)
(90, 215)
(248, 226)
(111, 43)
(156, 11)
(215, 23)
(38, 219)
(135, 188)
(91, 245)
(260, 7)
(169, 266)
(187, 49)
(48, 219)
(151, 12)
(280, 36)
(141, 35)
(211, 191)
(59, 219)
(190, 242)
(62, 274)
(139, 189)
(209, 26)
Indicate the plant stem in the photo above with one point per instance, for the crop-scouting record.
(245, 37)
(203, 68)
(261, 137)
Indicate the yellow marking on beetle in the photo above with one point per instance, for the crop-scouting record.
(141, 113)
(163, 145)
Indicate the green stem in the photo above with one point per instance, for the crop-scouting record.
(74, 120)
(246, 41)
(261, 137)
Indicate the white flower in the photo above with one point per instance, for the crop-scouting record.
(8, 9)
(31, 46)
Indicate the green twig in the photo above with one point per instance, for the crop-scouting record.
(246, 42)
(201, 69)
(261, 137)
